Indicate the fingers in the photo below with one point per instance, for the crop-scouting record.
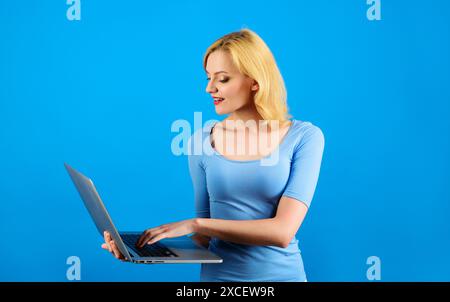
(105, 237)
(157, 238)
(149, 234)
(114, 248)
(111, 245)
(144, 235)
(143, 239)
(116, 251)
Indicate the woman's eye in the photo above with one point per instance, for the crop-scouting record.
(221, 81)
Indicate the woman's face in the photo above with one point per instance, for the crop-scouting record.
(230, 89)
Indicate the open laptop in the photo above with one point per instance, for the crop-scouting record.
(173, 250)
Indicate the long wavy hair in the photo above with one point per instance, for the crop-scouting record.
(253, 58)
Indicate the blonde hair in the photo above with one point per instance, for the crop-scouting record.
(253, 58)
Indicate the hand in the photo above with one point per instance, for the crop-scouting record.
(111, 246)
(176, 229)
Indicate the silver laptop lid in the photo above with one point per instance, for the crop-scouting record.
(96, 208)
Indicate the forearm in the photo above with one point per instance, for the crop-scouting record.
(251, 232)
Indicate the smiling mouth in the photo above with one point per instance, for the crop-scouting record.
(217, 101)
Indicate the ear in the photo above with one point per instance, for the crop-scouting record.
(255, 86)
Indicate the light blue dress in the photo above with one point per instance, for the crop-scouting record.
(247, 190)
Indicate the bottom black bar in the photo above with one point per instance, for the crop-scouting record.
(208, 291)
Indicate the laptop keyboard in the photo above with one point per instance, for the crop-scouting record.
(149, 250)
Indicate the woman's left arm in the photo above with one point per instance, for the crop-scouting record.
(276, 231)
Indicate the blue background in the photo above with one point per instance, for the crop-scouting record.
(102, 93)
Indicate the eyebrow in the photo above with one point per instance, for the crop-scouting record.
(217, 72)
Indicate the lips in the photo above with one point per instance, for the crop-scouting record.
(217, 100)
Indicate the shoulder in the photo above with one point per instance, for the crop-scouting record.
(307, 133)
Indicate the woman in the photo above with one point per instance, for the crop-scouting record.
(249, 204)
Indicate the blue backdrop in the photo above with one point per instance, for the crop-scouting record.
(101, 93)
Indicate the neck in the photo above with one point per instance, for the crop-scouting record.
(246, 114)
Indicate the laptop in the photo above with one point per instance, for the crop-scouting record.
(169, 250)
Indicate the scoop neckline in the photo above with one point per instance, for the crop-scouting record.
(277, 149)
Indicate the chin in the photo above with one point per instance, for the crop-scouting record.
(220, 111)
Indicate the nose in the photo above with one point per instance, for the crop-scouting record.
(210, 88)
